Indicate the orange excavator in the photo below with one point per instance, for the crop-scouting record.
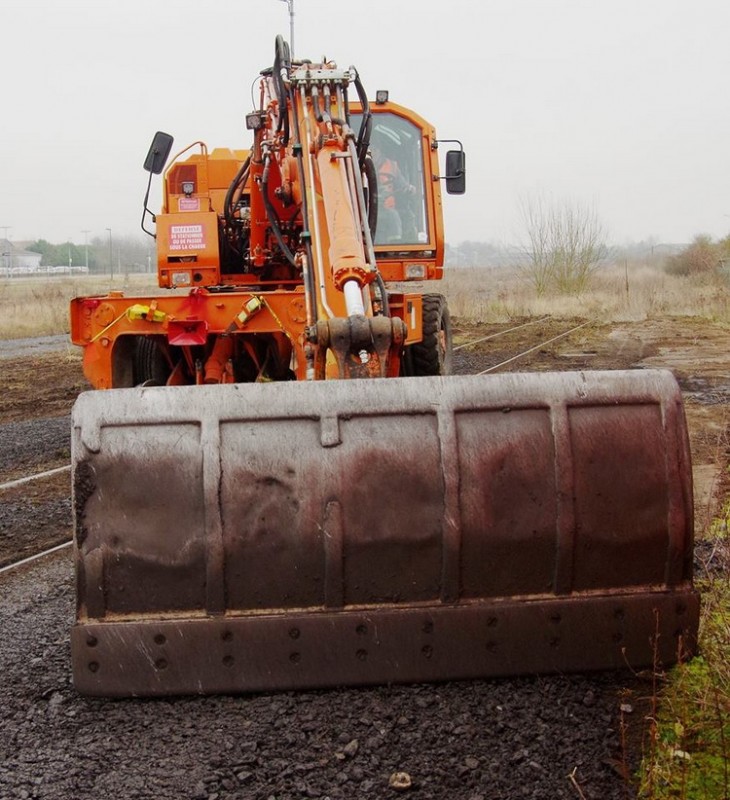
(284, 488)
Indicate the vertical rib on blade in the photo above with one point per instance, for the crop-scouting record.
(276, 536)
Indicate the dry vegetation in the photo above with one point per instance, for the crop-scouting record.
(618, 292)
(39, 306)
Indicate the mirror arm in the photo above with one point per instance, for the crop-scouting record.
(461, 150)
(147, 211)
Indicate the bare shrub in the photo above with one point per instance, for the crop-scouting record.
(566, 242)
(701, 257)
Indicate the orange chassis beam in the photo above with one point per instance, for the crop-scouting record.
(97, 323)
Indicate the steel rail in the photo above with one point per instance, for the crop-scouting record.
(499, 333)
(532, 349)
(37, 476)
(43, 553)
(30, 559)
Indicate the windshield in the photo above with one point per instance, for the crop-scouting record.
(395, 145)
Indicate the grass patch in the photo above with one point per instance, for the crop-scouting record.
(688, 752)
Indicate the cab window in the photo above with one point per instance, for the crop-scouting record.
(395, 146)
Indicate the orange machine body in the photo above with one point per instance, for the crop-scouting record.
(218, 253)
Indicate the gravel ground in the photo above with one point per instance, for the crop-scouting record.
(36, 515)
(479, 739)
(545, 738)
(33, 446)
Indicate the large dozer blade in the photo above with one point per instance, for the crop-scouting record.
(279, 536)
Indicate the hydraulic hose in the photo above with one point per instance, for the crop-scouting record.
(282, 61)
(309, 285)
(363, 139)
(239, 180)
(271, 214)
(372, 197)
(316, 107)
(383, 293)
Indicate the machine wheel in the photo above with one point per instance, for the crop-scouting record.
(432, 356)
(150, 365)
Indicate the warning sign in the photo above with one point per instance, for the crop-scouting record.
(187, 237)
(188, 204)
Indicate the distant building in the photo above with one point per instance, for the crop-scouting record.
(14, 259)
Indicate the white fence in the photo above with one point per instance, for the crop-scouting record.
(39, 272)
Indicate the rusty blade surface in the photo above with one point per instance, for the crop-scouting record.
(236, 538)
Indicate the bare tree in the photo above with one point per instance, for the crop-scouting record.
(566, 242)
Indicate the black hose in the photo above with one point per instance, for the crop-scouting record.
(315, 104)
(371, 174)
(309, 278)
(271, 214)
(383, 293)
(282, 60)
(238, 180)
(363, 139)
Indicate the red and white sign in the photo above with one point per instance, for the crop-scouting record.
(187, 237)
(188, 204)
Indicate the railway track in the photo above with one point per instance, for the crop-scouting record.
(35, 508)
(517, 356)
(35, 477)
(10, 560)
(37, 556)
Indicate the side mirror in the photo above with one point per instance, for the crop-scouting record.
(158, 153)
(456, 172)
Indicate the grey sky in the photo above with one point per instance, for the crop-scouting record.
(622, 104)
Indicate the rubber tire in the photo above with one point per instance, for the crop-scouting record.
(150, 365)
(433, 355)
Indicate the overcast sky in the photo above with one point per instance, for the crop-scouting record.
(619, 104)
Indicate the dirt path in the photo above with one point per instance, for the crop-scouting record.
(26, 348)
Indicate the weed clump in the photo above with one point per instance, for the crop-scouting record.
(689, 735)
